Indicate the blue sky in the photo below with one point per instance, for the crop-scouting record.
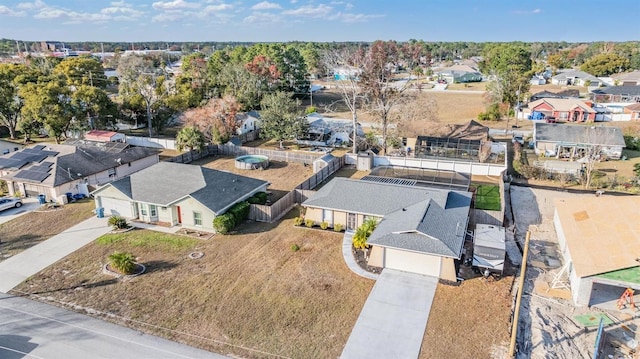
(326, 20)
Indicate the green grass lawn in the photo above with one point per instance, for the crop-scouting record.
(488, 197)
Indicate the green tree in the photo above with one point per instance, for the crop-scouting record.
(363, 233)
(48, 105)
(190, 138)
(280, 119)
(95, 104)
(12, 77)
(509, 67)
(82, 71)
(605, 64)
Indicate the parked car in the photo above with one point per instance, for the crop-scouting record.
(518, 138)
(551, 120)
(9, 202)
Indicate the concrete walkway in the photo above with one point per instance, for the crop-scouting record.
(347, 243)
(16, 269)
(36, 330)
(394, 317)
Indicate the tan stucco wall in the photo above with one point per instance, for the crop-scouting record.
(376, 256)
(448, 269)
(190, 205)
(314, 213)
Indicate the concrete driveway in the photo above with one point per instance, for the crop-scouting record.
(394, 317)
(28, 205)
(35, 330)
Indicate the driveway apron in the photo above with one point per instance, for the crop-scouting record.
(394, 317)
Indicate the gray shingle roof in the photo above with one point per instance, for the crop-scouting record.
(167, 182)
(416, 219)
(575, 73)
(618, 90)
(592, 135)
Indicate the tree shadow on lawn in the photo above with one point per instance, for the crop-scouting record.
(82, 284)
(158, 266)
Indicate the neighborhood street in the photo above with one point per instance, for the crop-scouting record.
(30, 329)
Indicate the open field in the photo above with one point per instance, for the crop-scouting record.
(283, 176)
(249, 290)
(471, 320)
(32, 228)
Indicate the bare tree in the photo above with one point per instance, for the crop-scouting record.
(347, 64)
(384, 90)
(417, 111)
(596, 142)
(216, 120)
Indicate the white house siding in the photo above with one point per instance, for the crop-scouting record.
(114, 202)
(580, 289)
(412, 262)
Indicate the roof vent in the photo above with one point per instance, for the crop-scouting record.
(404, 210)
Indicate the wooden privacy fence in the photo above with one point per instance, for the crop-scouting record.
(264, 213)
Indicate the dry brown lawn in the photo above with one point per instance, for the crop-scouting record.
(32, 228)
(283, 176)
(456, 107)
(470, 86)
(468, 321)
(249, 289)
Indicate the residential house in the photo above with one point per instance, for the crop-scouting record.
(247, 122)
(54, 170)
(575, 78)
(537, 80)
(104, 136)
(627, 78)
(571, 141)
(420, 230)
(327, 131)
(459, 74)
(634, 111)
(616, 94)
(569, 93)
(572, 110)
(597, 237)
(176, 194)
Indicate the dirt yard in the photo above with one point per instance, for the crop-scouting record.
(547, 328)
(32, 228)
(283, 176)
(249, 290)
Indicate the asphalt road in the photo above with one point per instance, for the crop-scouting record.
(30, 329)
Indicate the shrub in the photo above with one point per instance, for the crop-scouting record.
(309, 223)
(123, 262)
(240, 211)
(324, 225)
(310, 109)
(224, 223)
(295, 247)
(261, 197)
(337, 227)
(298, 221)
(363, 232)
(117, 222)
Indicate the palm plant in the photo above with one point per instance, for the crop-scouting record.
(123, 262)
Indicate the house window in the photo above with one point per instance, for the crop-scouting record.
(154, 210)
(143, 209)
(197, 218)
(245, 126)
(564, 115)
(112, 172)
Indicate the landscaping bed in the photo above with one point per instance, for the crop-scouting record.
(248, 290)
(32, 228)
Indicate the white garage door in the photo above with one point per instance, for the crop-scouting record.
(412, 262)
(116, 207)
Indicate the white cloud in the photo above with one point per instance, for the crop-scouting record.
(71, 17)
(174, 5)
(122, 11)
(217, 8)
(351, 18)
(262, 18)
(5, 11)
(265, 5)
(294, 1)
(527, 12)
(38, 4)
(310, 11)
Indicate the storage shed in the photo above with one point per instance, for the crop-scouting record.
(365, 161)
(322, 162)
(489, 248)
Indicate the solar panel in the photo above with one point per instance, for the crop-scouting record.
(38, 147)
(40, 168)
(32, 175)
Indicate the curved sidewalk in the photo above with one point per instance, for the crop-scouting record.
(351, 261)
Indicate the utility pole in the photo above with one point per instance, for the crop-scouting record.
(91, 78)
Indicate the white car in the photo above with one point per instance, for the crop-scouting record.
(9, 202)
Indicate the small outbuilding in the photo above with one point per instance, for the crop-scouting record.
(489, 248)
(322, 162)
(104, 136)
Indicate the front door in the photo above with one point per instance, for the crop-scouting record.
(179, 214)
(327, 216)
(351, 222)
